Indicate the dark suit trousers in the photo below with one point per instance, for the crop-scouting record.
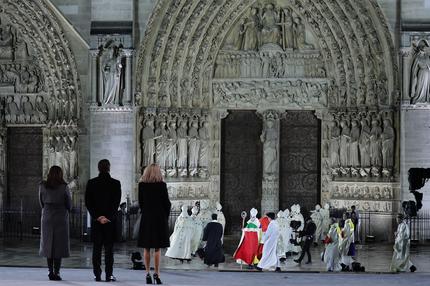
(103, 236)
(306, 249)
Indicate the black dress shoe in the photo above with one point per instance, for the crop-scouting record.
(308, 262)
(157, 279)
(413, 268)
(278, 269)
(54, 277)
(97, 278)
(148, 279)
(110, 278)
(297, 261)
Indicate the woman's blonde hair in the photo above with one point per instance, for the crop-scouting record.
(152, 174)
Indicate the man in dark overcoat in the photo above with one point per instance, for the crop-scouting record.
(212, 234)
(102, 198)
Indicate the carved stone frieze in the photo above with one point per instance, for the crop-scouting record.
(24, 109)
(186, 193)
(364, 205)
(270, 93)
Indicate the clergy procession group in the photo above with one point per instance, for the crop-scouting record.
(268, 242)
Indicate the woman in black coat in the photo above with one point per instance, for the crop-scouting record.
(155, 209)
(55, 201)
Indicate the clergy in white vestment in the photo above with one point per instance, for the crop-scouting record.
(318, 220)
(345, 242)
(401, 256)
(180, 240)
(270, 260)
(284, 234)
(198, 230)
(325, 213)
(331, 253)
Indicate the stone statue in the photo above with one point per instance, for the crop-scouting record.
(204, 149)
(161, 135)
(172, 144)
(26, 110)
(334, 145)
(51, 151)
(193, 148)
(270, 26)
(269, 137)
(420, 74)
(111, 69)
(148, 141)
(288, 29)
(182, 148)
(59, 148)
(354, 159)
(12, 110)
(300, 34)
(73, 161)
(66, 156)
(375, 145)
(345, 139)
(388, 136)
(41, 110)
(364, 144)
(251, 29)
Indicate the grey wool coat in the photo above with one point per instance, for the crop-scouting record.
(56, 205)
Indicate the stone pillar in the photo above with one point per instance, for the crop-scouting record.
(128, 53)
(93, 76)
(270, 137)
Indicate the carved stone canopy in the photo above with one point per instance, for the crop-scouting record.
(184, 40)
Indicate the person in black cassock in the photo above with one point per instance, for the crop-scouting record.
(308, 235)
(102, 198)
(212, 234)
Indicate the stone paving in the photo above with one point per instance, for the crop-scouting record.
(375, 257)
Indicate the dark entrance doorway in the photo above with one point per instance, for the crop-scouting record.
(300, 160)
(24, 167)
(241, 166)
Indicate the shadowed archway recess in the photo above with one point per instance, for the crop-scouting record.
(183, 38)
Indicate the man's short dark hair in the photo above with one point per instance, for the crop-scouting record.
(214, 216)
(271, 215)
(104, 166)
(353, 207)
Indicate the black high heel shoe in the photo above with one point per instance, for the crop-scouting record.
(148, 279)
(157, 279)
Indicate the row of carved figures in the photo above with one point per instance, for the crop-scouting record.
(23, 78)
(268, 65)
(268, 28)
(362, 147)
(179, 145)
(63, 152)
(34, 110)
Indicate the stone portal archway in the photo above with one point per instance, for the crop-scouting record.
(39, 85)
(202, 58)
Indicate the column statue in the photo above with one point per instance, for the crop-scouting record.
(182, 148)
(300, 34)
(288, 29)
(335, 147)
(73, 161)
(364, 145)
(388, 137)
(354, 159)
(147, 139)
(41, 110)
(345, 139)
(193, 148)
(204, 149)
(172, 144)
(161, 135)
(269, 137)
(375, 147)
(420, 74)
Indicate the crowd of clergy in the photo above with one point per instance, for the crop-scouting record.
(268, 242)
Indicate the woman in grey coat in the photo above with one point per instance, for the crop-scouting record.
(55, 200)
